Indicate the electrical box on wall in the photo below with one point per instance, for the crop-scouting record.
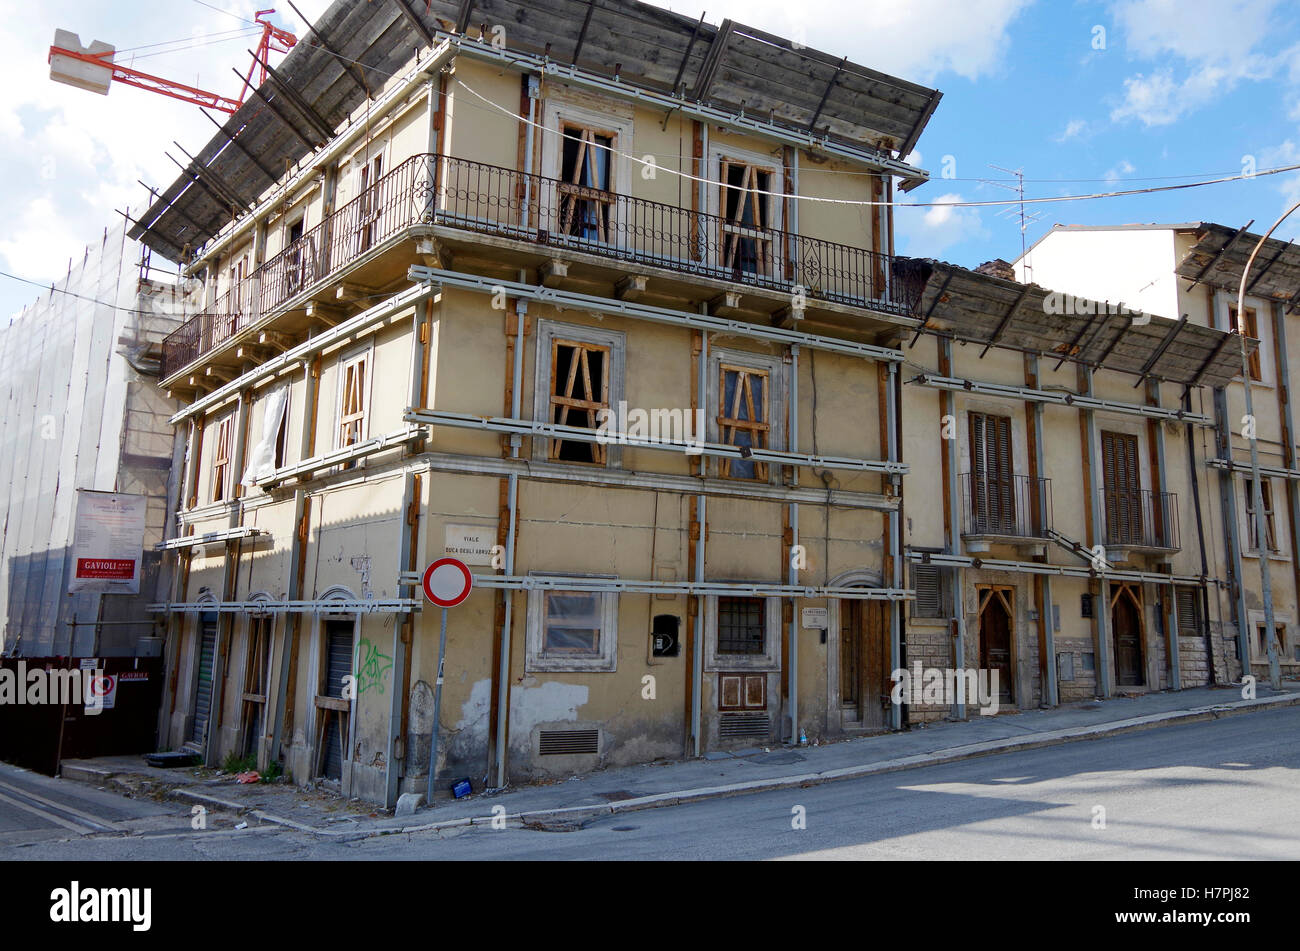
(664, 635)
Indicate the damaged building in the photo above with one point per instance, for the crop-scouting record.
(444, 244)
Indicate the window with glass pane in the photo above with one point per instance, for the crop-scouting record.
(579, 390)
(743, 418)
(352, 404)
(571, 623)
(585, 199)
(221, 459)
(746, 218)
(740, 625)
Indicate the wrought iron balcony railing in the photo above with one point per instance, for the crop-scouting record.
(1006, 505)
(488, 199)
(1141, 518)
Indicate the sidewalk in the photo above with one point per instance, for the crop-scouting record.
(568, 803)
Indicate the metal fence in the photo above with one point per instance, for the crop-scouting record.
(1006, 505)
(1141, 518)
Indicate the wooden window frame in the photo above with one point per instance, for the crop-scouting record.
(539, 658)
(222, 452)
(988, 490)
(730, 425)
(732, 230)
(550, 331)
(1253, 362)
(1270, 516)
(565, 402)
(359, 418)
(572, 193)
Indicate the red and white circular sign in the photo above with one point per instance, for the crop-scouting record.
(447, 582)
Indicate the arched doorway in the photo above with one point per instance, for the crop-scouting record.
(1126, 635)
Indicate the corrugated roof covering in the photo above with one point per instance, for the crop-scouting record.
(982, 309)
(1219, 257)
(731, 67)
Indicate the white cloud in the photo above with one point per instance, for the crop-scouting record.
(1119, 170)
(918, 41)
(931, 231)
(1217, 42)
(1074, 129)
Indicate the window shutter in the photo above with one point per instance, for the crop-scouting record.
(1189, 610)
(928, 584)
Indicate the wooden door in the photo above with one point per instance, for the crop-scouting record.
(864, 682)
(996, 618)
(1126, 635)
(1123, 488)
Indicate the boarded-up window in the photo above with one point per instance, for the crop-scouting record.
(1122, 483)
(741, 627)
(1188, 603)
(585, 198)
(221, 459)
(746, 219)
(579, 390)
(743, 418)
(1270, 524)
(1261, 640)
(354, 383)
(742, 691)
(1251, 329)
(257, 680)
(993, 499)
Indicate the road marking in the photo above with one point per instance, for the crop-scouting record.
(47, 816)
(91, 823)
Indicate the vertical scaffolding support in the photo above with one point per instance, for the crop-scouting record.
(949, 403)
(701, 547)
(793, 672)
(403, 630)
(1169, 618)
(1231, 535)
(1048, 643)
(1288, 436)
(895, 542)
(1097, 519)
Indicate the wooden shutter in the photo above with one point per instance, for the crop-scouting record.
(992, 474)
(1121, 477)
(927, 581)
(1188, 603)
(352, 411)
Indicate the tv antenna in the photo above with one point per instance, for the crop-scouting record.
(1015, 212)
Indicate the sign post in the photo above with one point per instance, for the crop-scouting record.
(447, 582)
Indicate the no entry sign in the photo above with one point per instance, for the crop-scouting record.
(447, 582)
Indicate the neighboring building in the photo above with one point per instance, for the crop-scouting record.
(1062, 544)
(82, 410)
(1193, 271)
(401, 349)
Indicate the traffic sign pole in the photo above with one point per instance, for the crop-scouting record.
(437, 706)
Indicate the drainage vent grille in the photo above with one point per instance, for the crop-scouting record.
(568, 742)
(744, 724)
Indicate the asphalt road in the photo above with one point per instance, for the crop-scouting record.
(1223, 789)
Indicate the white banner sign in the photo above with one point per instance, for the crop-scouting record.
(107, 543)
(472, 544)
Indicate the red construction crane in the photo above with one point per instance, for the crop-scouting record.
(93, 68)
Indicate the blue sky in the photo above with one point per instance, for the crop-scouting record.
(1115, 93)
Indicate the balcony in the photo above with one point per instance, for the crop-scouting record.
(1140, 519)
(1005, 510)
(438, 193)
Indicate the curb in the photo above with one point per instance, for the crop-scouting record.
(568, 818)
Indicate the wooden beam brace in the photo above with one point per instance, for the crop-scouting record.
(1006, 321)
(1264, 270)
(349, 67)
(1160, 350)
(826, 94)
(582, 34)
(313, 117)
(938, 299)
(215, 179)
(222, 200)
(1221, 252)
(234, 140)
(1110, 347)
(909, 143)
(1069, 351)
(681, 69)
(710, 67)
(279, 114)
(1209, 361)
(416, 23)
(462, 17)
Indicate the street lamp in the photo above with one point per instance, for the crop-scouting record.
(1257, 494)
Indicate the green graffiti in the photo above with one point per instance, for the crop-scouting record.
(372, 665)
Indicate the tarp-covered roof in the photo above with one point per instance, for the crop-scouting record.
(987, 310)
(731, 67)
